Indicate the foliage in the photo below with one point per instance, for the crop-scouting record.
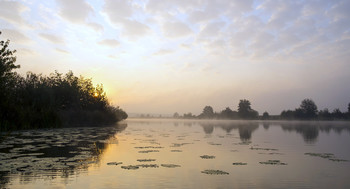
(265, 116)
(245, 111)
(208, 113)
(38, 101)
(308, 111)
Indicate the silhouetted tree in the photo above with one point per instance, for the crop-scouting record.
(287, 114)
(245, 111)
(337, 114)
(307, 110)
(176, 115)
(208, 112)
(265, 115)
(38, 101)
(228, 114)
(324, 114)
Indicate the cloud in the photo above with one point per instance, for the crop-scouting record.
(120, 13)
(11, 11)
(76, 11)
(212, 29)
(109, 42)
(163, 52)
(62, 51)
(95, 26)
(15, 36)
(176, 29)
(52, 38)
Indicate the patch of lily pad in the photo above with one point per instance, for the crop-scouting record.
(145, 160)
(207, 157)
(170, 165)
(272, 162)
(328, 156)
(130, 167)
(148, 151)
(148, 165)
(266, 149)
(239, 163)
(114, 163)
(214, 172)
(176, 150)
(148, 147)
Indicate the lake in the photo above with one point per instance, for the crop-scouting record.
(161, 153)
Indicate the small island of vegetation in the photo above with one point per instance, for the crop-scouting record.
(38, 101)
(307, 111)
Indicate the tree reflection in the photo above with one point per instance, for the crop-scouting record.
(245, 129)
(56, 152)
(310, 130)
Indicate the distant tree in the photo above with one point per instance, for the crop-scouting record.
(265, 115)
(189, 116)
(208, 113)
(349, 108)
(227, 114)
(307, 110)
(287, 114)
(245, 111)
(176, 115)
(324, 114)
(337, 114)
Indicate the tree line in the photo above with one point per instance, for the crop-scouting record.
(38, 101)
(307, 111)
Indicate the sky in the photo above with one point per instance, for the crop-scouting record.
(166, 56)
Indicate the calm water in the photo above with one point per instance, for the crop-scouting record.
(266, 155)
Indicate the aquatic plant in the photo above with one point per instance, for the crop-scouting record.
(148, 165)
(148, 147)
(170, 165)
(145, 160)
(328, 156)
(130, 167)
(212, 143)
(176, 150)
(114, 163)
(214, 172)
(267, 149)
(272, 162)
(207, 157)
(239, 163)
(148, 151)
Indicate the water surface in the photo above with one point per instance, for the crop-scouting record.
(147, 153)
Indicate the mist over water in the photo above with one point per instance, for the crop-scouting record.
(161, 153)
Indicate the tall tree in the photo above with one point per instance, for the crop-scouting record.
(208, 112)
(308, 109)
(245, 111)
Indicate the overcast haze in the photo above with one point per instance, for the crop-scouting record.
(161, 56)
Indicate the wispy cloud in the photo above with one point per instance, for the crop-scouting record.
(52, 38)
(109, 42)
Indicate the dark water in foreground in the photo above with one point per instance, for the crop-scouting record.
(180, 154)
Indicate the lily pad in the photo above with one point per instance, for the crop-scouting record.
(148, 151)
(272, 162)
(170, 165)
(148, 165)
(214, 172)
(130, 167)
(266, 149)
(207, 157)
(176, 150)
(145, 160)
(114, 163)
(239, 163)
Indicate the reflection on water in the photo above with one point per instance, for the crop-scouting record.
(180, 154)
(53, 152)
